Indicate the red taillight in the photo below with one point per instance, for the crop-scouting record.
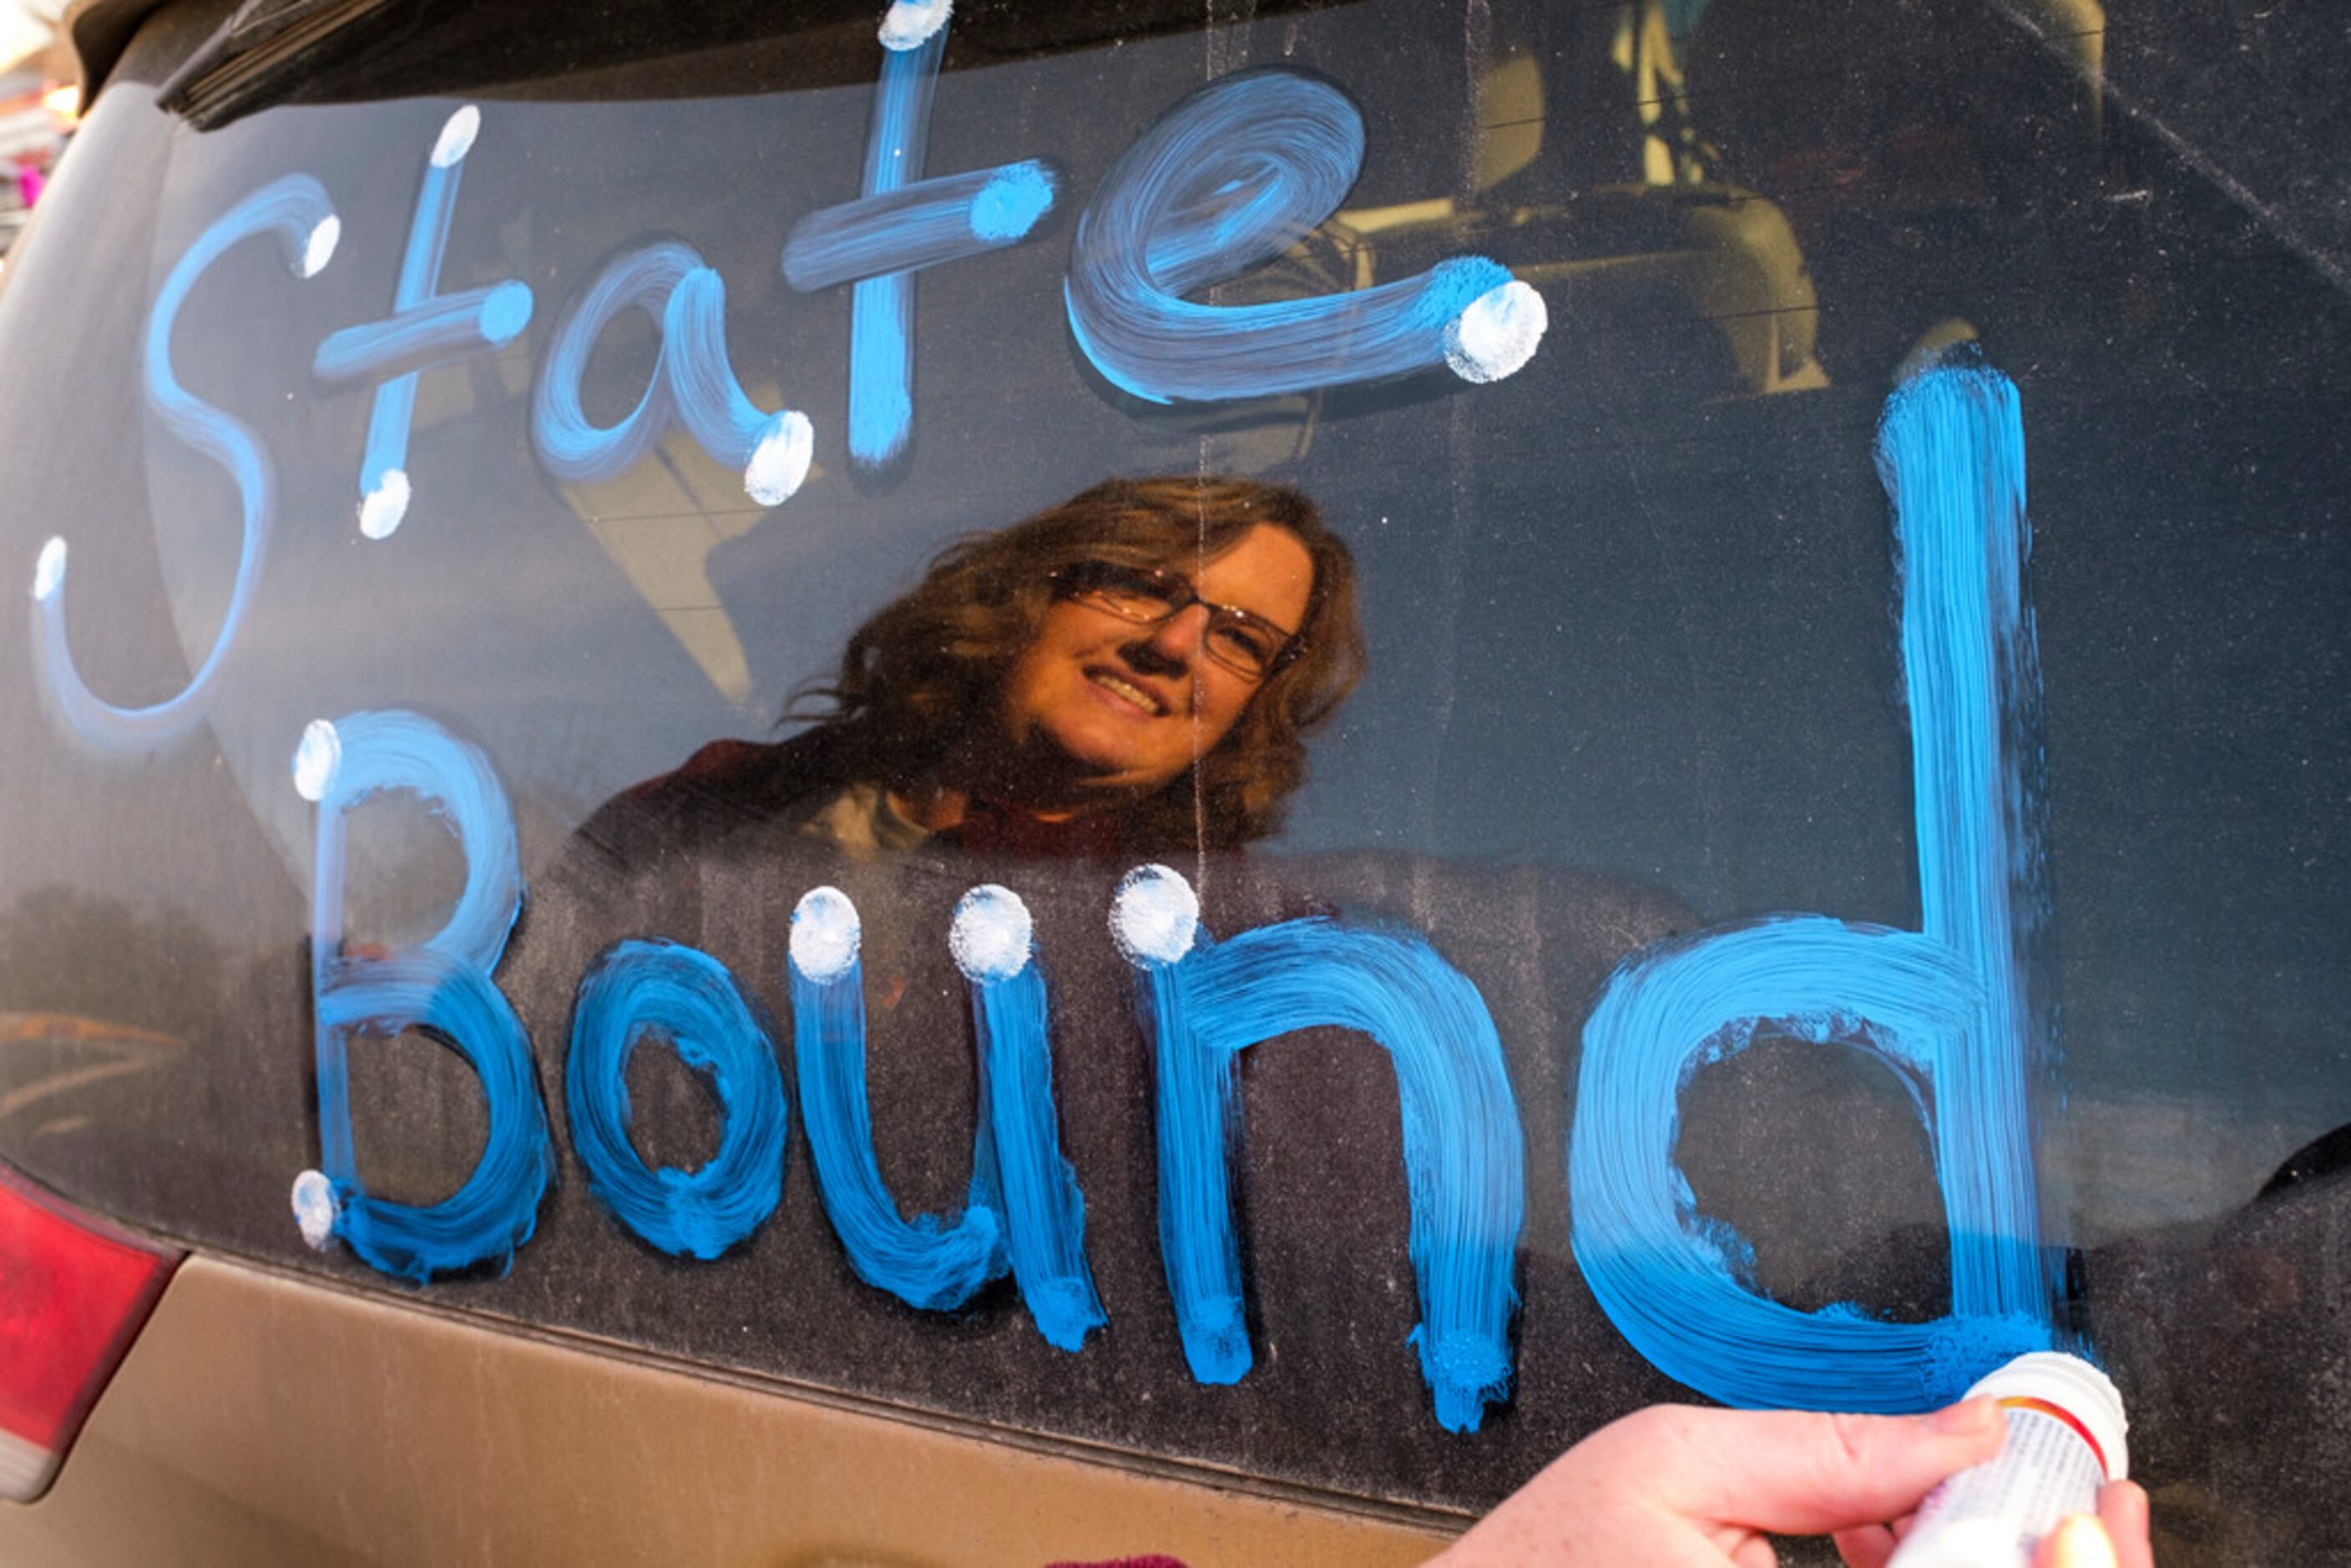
(73, 1291)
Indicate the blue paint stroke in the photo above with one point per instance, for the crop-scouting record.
(1951, 453)
(496, 1209)
(294, 211)
(921, 226)
(1950, 1007)
(1669, 1277)
(689, 999)
(1228, 179)
(378, 751)
(425, 330)
(1464, 1154)
(881, 309)
(444, 329)
(1037, 1188)
(923, 1262)
(693, 383)
(442, 985)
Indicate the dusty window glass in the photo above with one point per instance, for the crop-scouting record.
(1644, 356)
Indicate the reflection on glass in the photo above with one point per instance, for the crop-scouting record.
(74, 1015)
(660, 522)
(1131, 671)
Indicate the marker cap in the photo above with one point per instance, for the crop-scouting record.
(2072, 1389)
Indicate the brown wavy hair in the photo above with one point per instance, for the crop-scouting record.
(925, 667)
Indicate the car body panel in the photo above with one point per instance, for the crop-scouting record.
(264, 1418)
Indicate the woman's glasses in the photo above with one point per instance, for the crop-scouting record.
(1249, 646)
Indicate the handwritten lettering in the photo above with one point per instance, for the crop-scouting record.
(443, 985)
(1946, 1007)
(425, 329)
(690, 999)
(1465, 1160)
(293, 210)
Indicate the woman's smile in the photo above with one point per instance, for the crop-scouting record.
(1125, 691)
(1102, 708)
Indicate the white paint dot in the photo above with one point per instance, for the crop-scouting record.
(49, 570)
(319, 249)
(314, 1208)
(318, 760)
(825, 934)
(780, 463)
(456, 139)
(1155, 916)
(909, 24)
(1497, 332)
(383, 507)
(992, 934)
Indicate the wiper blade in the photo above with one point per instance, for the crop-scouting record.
(259, 51)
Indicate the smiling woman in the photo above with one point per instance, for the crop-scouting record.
(1132, 671)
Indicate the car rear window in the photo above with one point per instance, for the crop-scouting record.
(1830, 874)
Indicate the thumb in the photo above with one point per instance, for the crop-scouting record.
(1806, 1473)
(2080, 1542)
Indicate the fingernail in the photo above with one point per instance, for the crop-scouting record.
(1965, 1419)
(2081, 1542)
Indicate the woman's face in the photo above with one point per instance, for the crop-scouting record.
(1099, 706)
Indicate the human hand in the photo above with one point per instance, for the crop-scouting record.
(2116, 1537)
(1680, 1487)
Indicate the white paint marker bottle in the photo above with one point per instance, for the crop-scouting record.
(2065, 1439)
